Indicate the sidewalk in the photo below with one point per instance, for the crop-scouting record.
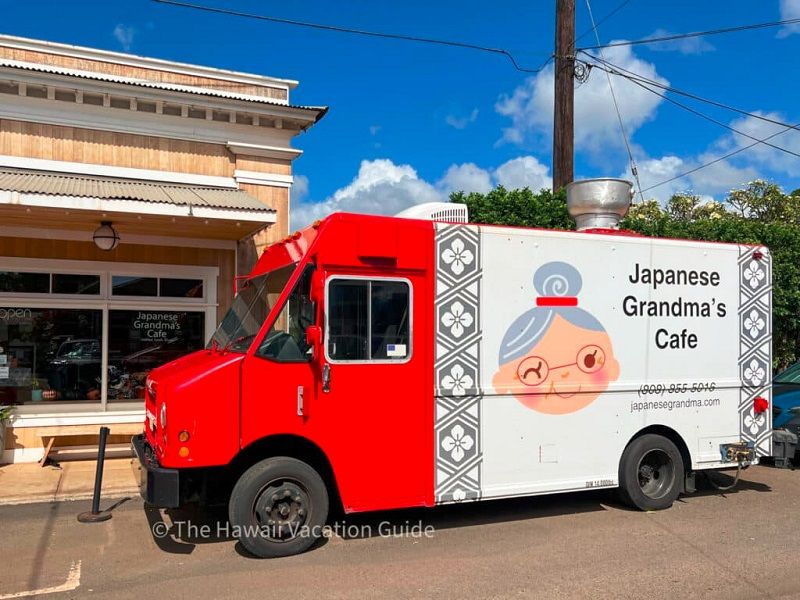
(72, 480)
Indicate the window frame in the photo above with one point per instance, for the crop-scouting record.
(370, 361)
(105, 302)
(303, 268)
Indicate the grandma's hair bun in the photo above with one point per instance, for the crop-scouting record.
(557, 279)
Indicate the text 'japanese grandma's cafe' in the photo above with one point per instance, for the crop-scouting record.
(679, 307)
(157, 326)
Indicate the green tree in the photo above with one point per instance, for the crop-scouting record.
(520, 208)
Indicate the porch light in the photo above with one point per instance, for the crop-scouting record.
(105, 237)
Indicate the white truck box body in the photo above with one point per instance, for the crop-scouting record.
(509, 300)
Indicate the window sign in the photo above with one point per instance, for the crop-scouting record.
(141, 340)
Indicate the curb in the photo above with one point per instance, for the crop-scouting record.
(114, 494)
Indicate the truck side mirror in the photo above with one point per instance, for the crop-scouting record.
(314, 338)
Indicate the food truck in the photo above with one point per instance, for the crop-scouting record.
(388, 362)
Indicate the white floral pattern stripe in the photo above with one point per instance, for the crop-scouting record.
(457, 319)
(457, 377)
(457, 443)
(755, 345)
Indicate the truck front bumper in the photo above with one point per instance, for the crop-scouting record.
(158, 486)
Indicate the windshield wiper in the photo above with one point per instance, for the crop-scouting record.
(235, 341)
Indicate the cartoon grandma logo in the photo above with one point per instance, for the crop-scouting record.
(556, 358)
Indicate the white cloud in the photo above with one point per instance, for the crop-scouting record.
(530, 106)
(789, 9)
(720, 177)
(299, 190)
(712, 181)
(522, 172)
(468, 177)
(693, 45)
(761, 154)
(382, 187)
(461, 122)
(655, 170)
(125, 35)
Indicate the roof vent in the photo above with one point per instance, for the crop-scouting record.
(437, 211)
(599, 203)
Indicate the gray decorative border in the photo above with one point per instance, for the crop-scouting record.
(458, 391)
(755, 346)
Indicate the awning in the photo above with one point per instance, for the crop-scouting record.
(57, 200)
(58, 184)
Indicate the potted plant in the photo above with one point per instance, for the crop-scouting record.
(37, 389)
(5, 417)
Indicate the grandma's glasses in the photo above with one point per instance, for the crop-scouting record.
(534, 370)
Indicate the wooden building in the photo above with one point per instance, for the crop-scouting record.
(189, 166)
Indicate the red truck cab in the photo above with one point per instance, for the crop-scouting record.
(276, 421)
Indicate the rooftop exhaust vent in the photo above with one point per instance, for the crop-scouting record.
(599, 203)
(437, 211)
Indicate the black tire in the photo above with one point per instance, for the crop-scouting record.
(650, 473)
(278, 507)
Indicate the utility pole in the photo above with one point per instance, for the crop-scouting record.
(564, 90)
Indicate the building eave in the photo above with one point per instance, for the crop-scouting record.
(34, 73)
(133, 60)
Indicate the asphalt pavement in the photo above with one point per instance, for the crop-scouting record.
(739, 544)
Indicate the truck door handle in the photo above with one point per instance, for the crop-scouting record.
(299, 400)
(326, 378)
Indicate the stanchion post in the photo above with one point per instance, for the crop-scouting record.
(95, 516)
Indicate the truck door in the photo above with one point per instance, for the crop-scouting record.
(375, 385)
(363, 397)
(278, 376)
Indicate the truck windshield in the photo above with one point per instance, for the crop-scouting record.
(250, 308)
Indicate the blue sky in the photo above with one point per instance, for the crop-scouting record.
(411, 122)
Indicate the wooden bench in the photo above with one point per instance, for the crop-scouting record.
(50, 434)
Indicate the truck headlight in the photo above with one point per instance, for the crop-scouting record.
(162, 416)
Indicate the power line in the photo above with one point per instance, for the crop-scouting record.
(339, 29)
(702, 115)
(634, 170)
(619, 71)
(720, 158)
(637, 76)
(592, 29)
(681, 36)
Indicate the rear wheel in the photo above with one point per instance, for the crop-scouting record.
(278, 507)
(650, 473)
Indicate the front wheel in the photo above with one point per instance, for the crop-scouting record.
(650, 473)
(278, 507)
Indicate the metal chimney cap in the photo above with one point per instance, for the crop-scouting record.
(599, 203)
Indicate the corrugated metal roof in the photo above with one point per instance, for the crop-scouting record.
(57, 184)
(174, 87)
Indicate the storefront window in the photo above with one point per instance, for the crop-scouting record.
(140, 340)
(64, 283)
(55, 357)
(50, 355)
(181, 288)
(25, 283)
(134, 286)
